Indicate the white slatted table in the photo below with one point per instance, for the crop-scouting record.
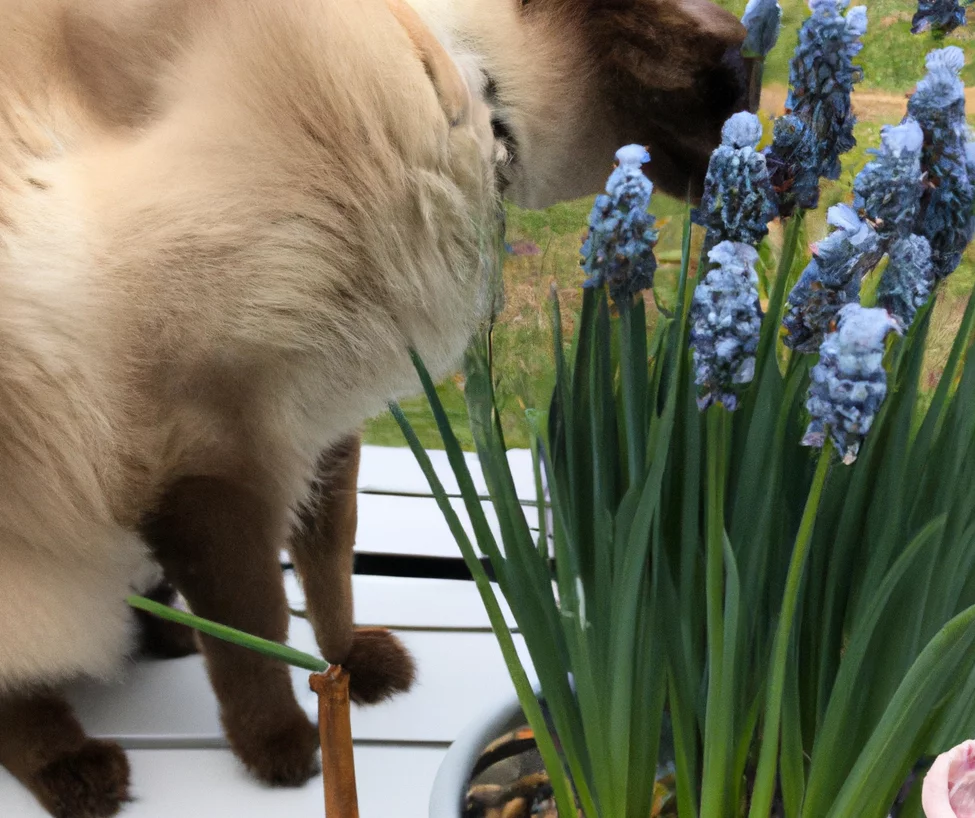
(165, 714)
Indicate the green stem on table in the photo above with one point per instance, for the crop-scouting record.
(715, 787)
(274, 650)
(767, 761)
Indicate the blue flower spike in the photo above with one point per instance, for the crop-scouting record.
(793, 165)
(618, 252)
(938, 105)
(849, 383)
(738, 201)
(909, 280)
(941, 16)
(822, 75)
(726, 319)
(763, 21)
(887, 192)
(831, 279)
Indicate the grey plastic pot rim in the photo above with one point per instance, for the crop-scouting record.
(451, 784)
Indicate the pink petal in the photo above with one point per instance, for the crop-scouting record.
(949, 786)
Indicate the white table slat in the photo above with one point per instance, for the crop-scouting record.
(393, 782)
(415, 526)
(390, 470)
(407, 602)
(170, 703)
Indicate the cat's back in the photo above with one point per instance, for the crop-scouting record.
(199, 190)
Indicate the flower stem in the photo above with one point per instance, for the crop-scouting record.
(632, 359)
(683, 304)
(790, 245)
(715, 753)
(765, 778)
(755, 82)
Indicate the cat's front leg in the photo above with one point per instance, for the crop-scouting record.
(322, 547)
(43, 745)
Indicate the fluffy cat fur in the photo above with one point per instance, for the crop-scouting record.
(222, 224)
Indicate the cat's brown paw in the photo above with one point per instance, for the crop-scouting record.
(284, 757)
(379, 666)
(92, 782)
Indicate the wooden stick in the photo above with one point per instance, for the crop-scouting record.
(335, 732)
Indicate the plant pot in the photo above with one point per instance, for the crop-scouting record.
(453, 778)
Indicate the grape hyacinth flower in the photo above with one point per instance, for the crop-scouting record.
(831, 279)
(738, 201)
(618, 251)
(849, 383)
(887, 192)
(726, 319)
(938, 105)
(762, 20)
(908, 281)
(793, 165)
(822, 75)
(942, 16)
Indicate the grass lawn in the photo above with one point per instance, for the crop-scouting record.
(893, 60)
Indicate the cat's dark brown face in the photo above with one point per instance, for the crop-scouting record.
(661, 73)
(672, 73)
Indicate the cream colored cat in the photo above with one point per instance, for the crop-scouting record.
(222, 224)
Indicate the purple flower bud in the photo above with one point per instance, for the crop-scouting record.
(908, 281)
(762, 20)
(822, 75)
(738, 201)
(726, 319)
(831, 279)
(849, 383)
(618, 251)
(946, 217)
(943, 16)
(888, 189)
(793, 162)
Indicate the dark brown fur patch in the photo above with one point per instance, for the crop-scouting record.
(160, 638)
(322, 546)
(670, 73)
(379, 666)
(92, 782)
(45, 748)
(282, 754)
(217, 543)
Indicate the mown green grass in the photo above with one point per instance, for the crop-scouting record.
(893, 60)
(892, 57)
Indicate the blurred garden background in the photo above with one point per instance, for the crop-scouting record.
(545, 244)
